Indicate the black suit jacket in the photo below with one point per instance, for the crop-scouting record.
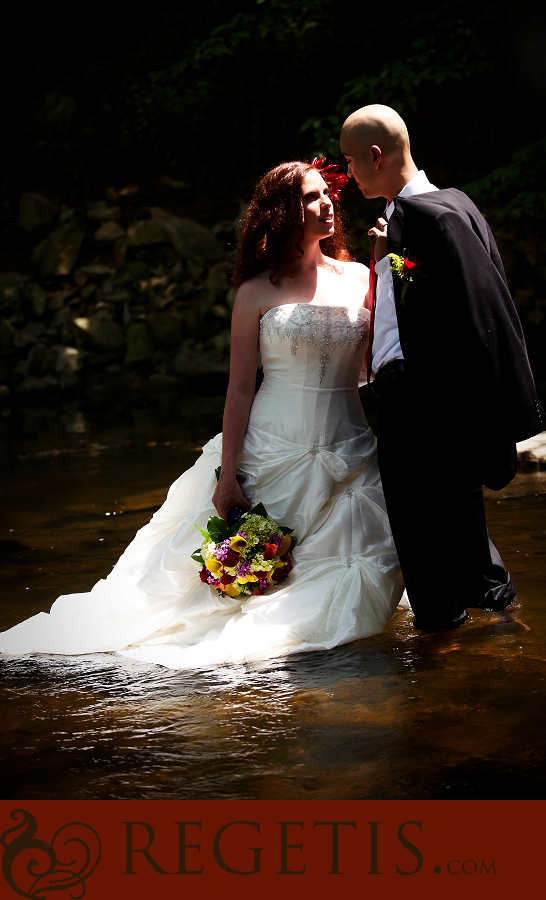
(460, 334)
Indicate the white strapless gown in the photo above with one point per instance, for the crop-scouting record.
(310, 458)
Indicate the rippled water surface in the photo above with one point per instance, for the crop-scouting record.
(402, 715)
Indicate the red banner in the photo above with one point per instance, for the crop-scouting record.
(268, 849)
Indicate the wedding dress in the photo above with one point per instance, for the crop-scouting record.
(309, 456)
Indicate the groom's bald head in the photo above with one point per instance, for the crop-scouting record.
(375, 141)
(379, 125)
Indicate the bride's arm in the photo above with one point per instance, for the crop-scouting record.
(245, 329)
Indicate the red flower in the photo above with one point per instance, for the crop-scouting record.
(257, 591)
(410, 265)
(204, 574)
(228, 579)
(232, 558)
(269, 551)
(278, 574)
(261, 574)
(335, 179)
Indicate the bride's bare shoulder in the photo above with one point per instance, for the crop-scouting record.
(352, 269)
(357, 270)
(255, 292)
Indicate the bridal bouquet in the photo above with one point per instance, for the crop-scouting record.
(247, 557)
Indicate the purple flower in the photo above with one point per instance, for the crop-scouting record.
(277, 539)
(242, 534)
(212, 580)
(222, 550)
(243, 568)
(263, 583)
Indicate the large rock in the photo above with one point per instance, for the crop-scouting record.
(35, 210)
(165, 327)
(57, 255)
(196, 360)
(164, 384)
(147, 231)
(120, 251)
(157, 212)
(109, 231)
(96, 269)
(118, 295)
(40, 359)
(101, 211)
(101, 333)
(38, 298)
(11, 286)
(34, 387)
(140, 343)
(217, 280)
(189, 238)
(69, 359)
(7, 334)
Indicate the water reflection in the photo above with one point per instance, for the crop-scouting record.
(401, 715)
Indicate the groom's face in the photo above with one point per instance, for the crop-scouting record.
(361, 166)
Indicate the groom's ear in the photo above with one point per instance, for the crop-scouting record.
(376, 155)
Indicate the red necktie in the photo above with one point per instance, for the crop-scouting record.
(371, 296)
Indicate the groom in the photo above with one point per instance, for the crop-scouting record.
(451, 373)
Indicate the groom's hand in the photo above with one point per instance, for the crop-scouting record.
(381, 240)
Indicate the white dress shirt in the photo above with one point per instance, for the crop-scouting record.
(386, 339)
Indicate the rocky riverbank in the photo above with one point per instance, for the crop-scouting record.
(118, 299)
(126, 296)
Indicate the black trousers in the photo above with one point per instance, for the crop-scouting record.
(436, 511)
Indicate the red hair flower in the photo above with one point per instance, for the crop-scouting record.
(335, 179)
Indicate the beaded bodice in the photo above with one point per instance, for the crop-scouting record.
(312, 357)
(325, 331)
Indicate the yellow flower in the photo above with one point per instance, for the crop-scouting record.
(238, 543)
(230, 590)
(213, 565)
(286, 541)
(243, 579)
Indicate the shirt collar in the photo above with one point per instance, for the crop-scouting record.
(419, 184)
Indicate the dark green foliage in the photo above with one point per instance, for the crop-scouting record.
(517, 188)
(205, 97)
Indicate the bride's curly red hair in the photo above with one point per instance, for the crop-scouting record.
(272, 226)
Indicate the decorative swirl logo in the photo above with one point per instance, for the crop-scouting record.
(33, 867)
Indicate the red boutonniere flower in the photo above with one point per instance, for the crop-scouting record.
(410, 265)
(335, 179)
(407, 270)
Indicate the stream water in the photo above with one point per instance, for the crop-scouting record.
(402, 715)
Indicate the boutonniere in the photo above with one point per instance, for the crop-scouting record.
(407, 270)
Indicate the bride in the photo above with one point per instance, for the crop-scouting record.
(301, 447)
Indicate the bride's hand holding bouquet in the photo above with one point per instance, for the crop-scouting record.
(228, 494)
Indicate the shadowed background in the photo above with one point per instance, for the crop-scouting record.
(134, 141)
